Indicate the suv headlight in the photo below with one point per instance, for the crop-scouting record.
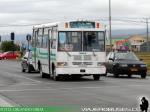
(123, 65)
(143, 65)
(62, 64)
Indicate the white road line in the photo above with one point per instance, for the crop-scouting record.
(26, 84)
(48, 89)
(4, 103)
(25, 77)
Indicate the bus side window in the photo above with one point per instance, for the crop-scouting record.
(45, 38)
(53, 44)
(40, 38)
(45, 41)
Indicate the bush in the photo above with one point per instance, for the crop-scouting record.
(9, 46)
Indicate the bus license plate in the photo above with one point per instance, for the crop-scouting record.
(82, 70)
(134, 69)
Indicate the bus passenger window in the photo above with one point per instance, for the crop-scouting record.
(62, 41)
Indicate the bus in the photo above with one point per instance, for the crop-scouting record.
(72, 48)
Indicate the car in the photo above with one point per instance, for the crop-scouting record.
(125, 63)
(26, 62)
(9, 55)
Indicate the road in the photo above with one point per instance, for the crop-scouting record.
(21, 89)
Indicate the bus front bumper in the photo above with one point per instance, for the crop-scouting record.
(83, 71)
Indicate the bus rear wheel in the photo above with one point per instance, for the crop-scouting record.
(43, 75)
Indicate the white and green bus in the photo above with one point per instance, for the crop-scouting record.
(74, 48)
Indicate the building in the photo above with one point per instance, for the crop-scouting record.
(145, 47)
(136, 41)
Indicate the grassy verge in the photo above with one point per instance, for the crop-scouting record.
(146, 58)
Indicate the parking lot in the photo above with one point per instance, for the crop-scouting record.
(17, 88)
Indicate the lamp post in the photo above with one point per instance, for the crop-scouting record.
(28, 38)
(110, 37)
(147, 33)
(12, 36)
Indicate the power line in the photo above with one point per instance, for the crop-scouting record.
(140, 22)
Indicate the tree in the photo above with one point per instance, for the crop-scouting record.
(9, 46)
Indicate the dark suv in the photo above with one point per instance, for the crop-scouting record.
(125, 63)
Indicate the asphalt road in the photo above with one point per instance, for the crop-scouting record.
(22, 89)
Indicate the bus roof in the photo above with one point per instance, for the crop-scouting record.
(73, 25)
(46, 25)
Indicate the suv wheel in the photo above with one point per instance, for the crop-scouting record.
(143, 75)
(29, 69)
(23, 70)
(96, 77)
(116, 75)
(129, 75)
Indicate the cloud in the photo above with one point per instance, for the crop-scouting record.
(42, 11)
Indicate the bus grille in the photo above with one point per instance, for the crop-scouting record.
(87, 57)
(82, 63)
(77, 63)
(77, 57)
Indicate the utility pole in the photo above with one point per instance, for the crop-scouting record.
(147, 33)
(110, 37)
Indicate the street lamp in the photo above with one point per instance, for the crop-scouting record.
(28, 38)
(12, 36)
(147, 33)
(110, 37)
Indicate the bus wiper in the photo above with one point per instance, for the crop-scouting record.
(67, 52)
(94, 52)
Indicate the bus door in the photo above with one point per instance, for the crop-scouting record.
(35, 46)
(49, 50)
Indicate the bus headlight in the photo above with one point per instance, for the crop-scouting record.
(62, 64)
(100, 64)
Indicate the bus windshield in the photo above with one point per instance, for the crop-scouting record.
(70, 41)
(81, 41)
(93, 41)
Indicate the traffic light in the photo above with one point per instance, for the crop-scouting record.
(12, 36)
(28, 37)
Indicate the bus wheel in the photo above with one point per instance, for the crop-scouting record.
(96, 77)
(56, 78)
(43, 75)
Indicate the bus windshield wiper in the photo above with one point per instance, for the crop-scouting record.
(67, 52)
(94, 52)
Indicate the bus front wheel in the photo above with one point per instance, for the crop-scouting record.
(56, 78)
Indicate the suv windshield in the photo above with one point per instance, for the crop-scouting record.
(126, 56)
(81, 41)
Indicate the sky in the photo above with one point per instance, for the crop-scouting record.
(30, 12)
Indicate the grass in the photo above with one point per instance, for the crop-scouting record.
(146, 58)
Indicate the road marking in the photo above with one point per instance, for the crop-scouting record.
(24, 77)
(48, 89)
(4, 103)
(22, 84)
